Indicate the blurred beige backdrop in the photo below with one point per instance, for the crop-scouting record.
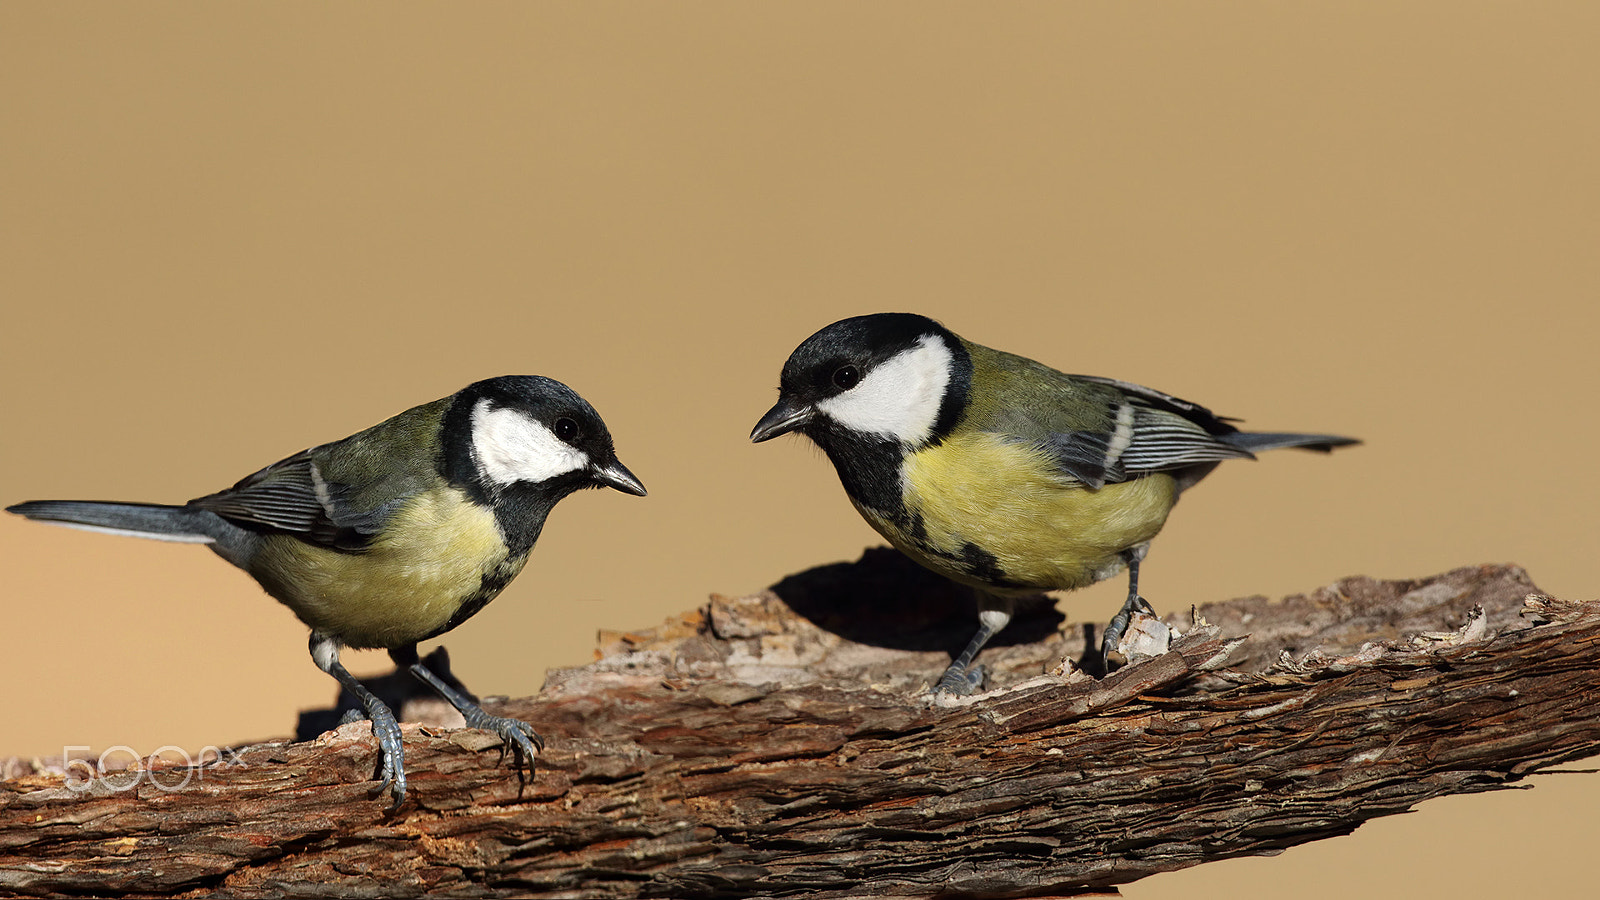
(229, 232)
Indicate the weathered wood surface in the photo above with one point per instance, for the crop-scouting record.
(742, 749)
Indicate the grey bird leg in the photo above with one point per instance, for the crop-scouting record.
(515, 733)
(962, 678)
(1124, 617)
(392, 760)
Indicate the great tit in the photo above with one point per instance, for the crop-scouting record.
(396, 534)
(996, 471)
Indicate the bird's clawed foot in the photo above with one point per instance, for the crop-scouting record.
(962, 681)
(391, 753)
(516, 734)
(525, 743)
(1118, 626)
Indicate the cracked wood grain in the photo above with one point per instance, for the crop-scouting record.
(778, 744)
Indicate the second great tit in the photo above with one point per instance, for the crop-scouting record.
(396, 534)
(996, 471)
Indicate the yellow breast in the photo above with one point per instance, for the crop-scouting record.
(1008, 499)
(433, 555)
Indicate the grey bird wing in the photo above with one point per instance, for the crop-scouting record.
(1157, 432)
(292, 497)
(340, 494)
(1245, 444)
(1102, 431)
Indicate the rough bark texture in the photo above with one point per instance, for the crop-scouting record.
(775, 744)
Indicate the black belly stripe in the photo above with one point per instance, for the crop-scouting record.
(972, 560)
(489, 587)
(983, 565)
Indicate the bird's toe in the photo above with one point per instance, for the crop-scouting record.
(961, 682)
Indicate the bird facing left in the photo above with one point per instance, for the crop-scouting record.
(398, 533)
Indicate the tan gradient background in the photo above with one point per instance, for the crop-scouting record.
(231, 232)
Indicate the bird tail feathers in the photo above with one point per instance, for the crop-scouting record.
(147, 520)
(1256, 441)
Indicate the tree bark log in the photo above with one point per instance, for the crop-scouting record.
(779, 744)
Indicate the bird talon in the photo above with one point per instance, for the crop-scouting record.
(961, 682)
(395, 786)
(516, 736)
(1115, 629)
(1118, 626)
(391, 751)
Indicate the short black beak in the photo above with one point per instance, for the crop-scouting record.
(783, 418)
(616, 475)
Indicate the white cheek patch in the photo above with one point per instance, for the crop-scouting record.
(899, 399)
(511, 447)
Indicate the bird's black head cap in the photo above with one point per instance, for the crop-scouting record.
(838, 357)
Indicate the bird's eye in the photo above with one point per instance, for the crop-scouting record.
(846, 377)
(567, 429)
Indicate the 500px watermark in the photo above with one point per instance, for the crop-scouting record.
(161, 768)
